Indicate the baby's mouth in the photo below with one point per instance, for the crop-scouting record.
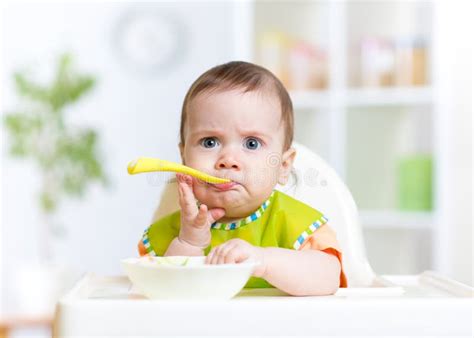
(223, 186)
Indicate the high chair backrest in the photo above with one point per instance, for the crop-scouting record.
(315, 183)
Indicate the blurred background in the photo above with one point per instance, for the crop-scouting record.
(381, 89)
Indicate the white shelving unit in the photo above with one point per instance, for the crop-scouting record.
(346, 122)
(392, 219)
(389, 97)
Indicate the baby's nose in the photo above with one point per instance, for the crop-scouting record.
(227, 162)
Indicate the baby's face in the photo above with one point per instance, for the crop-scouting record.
(236, 135)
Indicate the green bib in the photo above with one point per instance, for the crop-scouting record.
(281, 221)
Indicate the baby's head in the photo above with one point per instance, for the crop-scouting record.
(237, 123)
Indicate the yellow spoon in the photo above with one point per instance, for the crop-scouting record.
(147, 164)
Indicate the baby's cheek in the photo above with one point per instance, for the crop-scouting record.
(202, 193)
(262, 177)
(199, 189)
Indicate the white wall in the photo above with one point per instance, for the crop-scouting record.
(454, 69)
(137, 115)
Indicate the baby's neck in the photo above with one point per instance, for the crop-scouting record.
(229, 219)
(237, 214)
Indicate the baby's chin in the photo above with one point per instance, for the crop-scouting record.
(228, 200)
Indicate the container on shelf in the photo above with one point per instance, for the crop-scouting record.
(415, 182)
(300, 65)
(377, 62)
(410, 62)
(272, 50)
(308, 68)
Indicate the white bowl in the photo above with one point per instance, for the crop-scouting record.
(167, 278)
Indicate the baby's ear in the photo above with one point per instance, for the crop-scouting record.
(287, 160)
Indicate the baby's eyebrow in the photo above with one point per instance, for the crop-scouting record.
(208, 132)
(256, 133)
(205, 132)
(253, 132)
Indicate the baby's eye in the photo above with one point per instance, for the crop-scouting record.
(252, 143)
(209, 142)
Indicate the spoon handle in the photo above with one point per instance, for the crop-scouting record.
(148, 164)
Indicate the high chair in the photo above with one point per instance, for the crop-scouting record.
(425, 304)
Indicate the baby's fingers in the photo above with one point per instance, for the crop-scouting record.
(188, 193)
(223, 254)
(201, 218)
(182, 199)
(187, 200)
(210, 255)
(227, 254)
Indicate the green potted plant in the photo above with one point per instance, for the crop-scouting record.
(64, 155)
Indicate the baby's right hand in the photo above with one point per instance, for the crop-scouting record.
(195, 222)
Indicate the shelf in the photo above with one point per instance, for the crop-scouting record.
(375, 219)
(365, 132)
(309, 99)
(363, 97)
(389, 96)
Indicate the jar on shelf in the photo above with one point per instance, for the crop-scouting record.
(415, 182)
(410, 62)
(377, 66)
(273, 50)
(307, 66)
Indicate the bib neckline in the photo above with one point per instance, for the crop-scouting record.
(246, 220)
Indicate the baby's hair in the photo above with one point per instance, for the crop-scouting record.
(248, 77)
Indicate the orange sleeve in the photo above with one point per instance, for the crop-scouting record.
(324, 239)
(141, 248)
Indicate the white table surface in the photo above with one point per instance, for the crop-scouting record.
(425, 304)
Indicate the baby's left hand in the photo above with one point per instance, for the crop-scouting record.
(236, 251)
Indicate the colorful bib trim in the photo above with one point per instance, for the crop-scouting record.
(312, 228)
(146, 243)
(244, 221)
(216, 225)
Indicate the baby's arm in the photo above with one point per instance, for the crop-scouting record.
(178, 247)
(301, 273)
(298, 273)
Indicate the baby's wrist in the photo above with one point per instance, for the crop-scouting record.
(198, 240)
(261, 269)
(198, 245)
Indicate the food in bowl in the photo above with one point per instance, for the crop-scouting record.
(186, 277)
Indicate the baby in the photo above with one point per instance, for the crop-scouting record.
(237, 123)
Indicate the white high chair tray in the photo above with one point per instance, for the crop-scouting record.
(425, 304)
